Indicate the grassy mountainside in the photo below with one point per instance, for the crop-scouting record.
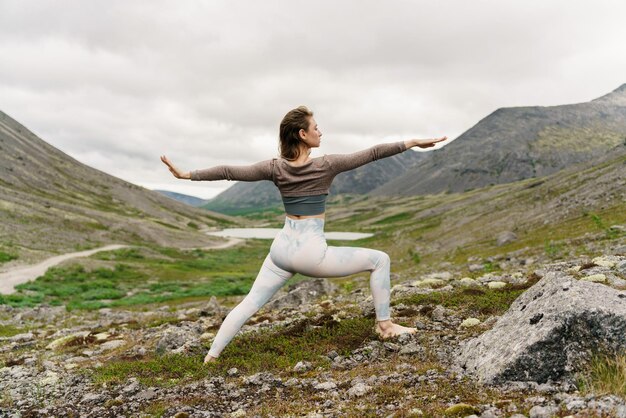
(139, 323)
(518, 143)
(50, 202)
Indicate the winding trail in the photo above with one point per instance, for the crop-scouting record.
(21, 274)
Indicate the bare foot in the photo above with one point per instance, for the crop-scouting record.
(209, 359)
(387, 329)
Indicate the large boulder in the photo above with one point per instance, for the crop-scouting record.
(303, 292)
(548, 332)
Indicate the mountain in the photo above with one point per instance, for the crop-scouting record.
(50, 202)
(245, 196)
(184, 198)
(517, 143)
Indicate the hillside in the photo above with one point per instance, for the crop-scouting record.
(50, 203)
(243, 197)
(518, 143)
(136, 347)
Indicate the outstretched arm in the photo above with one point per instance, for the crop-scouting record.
(254, 172)
(345, 162)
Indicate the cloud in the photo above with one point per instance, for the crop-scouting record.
(207, 83)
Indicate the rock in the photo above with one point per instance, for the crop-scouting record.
(475, 267)
(439, 313)
(432, 283)
(213, 307)
(102, 336)
(233, 371)
(411, 348)
(147, 394)
(326, 386)
(302, 366)
(547, 331)
(112, 345)
(542, 411)
(59, 342)
(466, 281)
(596, 278)
(441, 275)
(496, 285)
(173, 339)
(19, 338)
(604, 262)
(302, 293)
(505, 237)
(238, 413)
(460, 410)
(470, 322)
(358, 390)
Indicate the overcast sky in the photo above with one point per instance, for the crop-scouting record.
(116, 84)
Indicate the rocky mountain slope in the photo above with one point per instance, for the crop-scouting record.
(518, 143)
(242, 196)
(184, 198)
(50, 202)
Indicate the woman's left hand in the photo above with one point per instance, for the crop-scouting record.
(427, 143)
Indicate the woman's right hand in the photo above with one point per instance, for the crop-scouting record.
(176, 172)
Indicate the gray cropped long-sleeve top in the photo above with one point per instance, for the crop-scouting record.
(303, 188)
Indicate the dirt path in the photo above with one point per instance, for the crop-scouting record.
(21, 274)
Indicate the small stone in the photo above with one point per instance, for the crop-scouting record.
(238, 413)
(207, 336)
(542, 411)
(467, 281)
(111, 345)
(596, 278)
(470, 322)
(604, 262)
(432, 283)
(410, 348)
(232, 371)
(302, 366)
(439, 313)
(460, 409)
(326, 386)
(391, 346)
(147, 394)
(496, 285)
(102, 336)
(475, 267)
(359, 389)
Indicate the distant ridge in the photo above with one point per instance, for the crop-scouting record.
(184, 198)
(517, 143)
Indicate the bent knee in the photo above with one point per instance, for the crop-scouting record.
(382, 259)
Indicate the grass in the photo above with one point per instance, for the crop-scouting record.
(4, 257)
(10, 330)
(471, 301)
(140, 276)
(605, 374)
(276, 350)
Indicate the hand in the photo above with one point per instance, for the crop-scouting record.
(176, 172)
(427, 143)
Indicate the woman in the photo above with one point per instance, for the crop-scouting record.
(301, 247)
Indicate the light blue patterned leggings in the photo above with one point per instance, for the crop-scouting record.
(300, 247)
